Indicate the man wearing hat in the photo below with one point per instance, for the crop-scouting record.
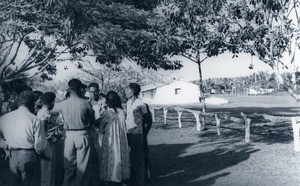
(25, 136)
(78, 115)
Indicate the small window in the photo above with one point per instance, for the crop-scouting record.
(177, 90)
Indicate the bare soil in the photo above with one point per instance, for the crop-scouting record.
(183, 156)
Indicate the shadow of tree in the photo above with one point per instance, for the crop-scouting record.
(274, 111)
(172, 164)
(262, 129)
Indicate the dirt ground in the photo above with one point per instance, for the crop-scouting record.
(187, 157)
(184, 156)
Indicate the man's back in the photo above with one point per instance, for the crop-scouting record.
(76, 113)
(19, 128)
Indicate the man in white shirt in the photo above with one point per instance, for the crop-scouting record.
(136, 109)
(25, 136)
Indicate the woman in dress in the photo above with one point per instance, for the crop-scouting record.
(114, 168)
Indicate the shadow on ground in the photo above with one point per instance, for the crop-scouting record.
(266, 130)
(190, 169)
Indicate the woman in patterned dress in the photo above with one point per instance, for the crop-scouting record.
(114, 168)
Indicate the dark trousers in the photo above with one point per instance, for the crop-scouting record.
(147, 159)
(94, 179)
(22, 164)
(137, 159)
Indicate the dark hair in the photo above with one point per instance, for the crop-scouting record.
(67, 94)
(37, 94)
(26, 98)
(94, 85)
(136, 88)
(48, 98)
(113, 100)
(75, 84)
(102, 94)
(83, 86)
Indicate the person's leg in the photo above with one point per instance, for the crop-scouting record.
(137, 158)
(82, 144)
(15, 178)
(147, 160)
(27, 167)
(46, 166)
(69, 160)
(59, 163)
(94, 159)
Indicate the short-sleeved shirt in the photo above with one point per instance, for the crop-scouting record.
(22, 129)
(135, 111)
(99, 107)
(76, 112)
(44, 114)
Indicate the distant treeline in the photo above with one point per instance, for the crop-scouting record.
(242, 85)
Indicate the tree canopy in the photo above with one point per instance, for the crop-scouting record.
(49, 29)
(37, 35)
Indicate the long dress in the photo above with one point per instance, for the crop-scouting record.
(114, 165)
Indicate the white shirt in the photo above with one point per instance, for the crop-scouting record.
(135, 111)
(44, 114)
(22, 129)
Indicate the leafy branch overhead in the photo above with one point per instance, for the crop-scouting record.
(35, 35)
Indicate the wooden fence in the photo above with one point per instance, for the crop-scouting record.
(200, 119)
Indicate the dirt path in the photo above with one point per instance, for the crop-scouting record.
(185, 157)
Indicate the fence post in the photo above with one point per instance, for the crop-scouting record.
(198, 124)
(165, 115)
(218, 123)
(296, 134)
(247, 127)
(179, 118)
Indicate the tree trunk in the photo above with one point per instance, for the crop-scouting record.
(202, 97)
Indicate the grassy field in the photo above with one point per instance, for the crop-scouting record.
(187, 157)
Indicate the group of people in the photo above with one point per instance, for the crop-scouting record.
(104, 142)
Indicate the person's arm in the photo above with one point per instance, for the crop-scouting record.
(3, 143)
(147, 121)
(40, 138)
(102, 122)
(57, 107)
(138, 114)
(91, 114)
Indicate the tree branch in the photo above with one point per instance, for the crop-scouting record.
(18, 48)
(4, 59)
(27, 59)
(190, 58)
(203, 59)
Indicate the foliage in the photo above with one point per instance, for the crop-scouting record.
(259, 80)
(264, 28)
(49, 29)
(25, 23)
(119, 76)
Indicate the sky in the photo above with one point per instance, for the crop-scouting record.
(215, 67)
(223, 66)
